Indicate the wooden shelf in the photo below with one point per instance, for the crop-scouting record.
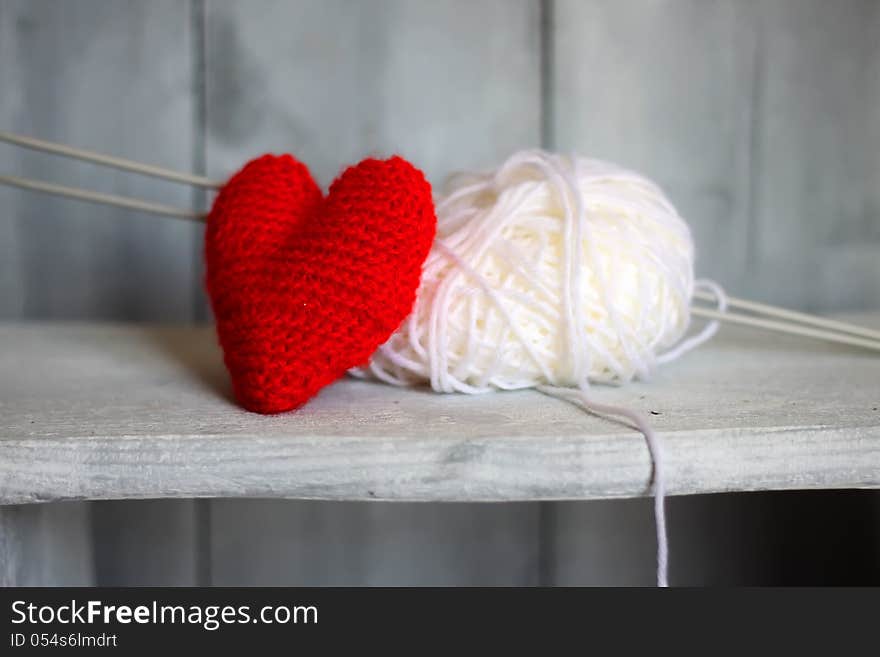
(104, 411)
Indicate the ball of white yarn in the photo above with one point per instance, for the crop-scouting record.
(551, 270)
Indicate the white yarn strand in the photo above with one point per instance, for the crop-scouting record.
(655, 447)
(552, 272)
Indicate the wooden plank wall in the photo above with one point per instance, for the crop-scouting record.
(118, 78)
(761, 118)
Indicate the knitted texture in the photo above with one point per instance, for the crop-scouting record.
(304, 287)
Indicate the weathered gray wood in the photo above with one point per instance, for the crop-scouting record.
(448, 85)
(146, 543)
(12, 288)
(816, 166)
(665, 87)
(760, 120)
(296, 543)
(117, 78)
(103, 411)
(110, 77)
(46, 545)
(334, 81)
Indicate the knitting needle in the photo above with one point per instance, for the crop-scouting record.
(98, 197)
(109, 161)
(784, 313)
(784, 327)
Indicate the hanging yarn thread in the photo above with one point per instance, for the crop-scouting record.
(553, 272)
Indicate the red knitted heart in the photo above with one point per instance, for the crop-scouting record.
(304, 287)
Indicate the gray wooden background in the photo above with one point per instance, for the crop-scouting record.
(761, 118)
